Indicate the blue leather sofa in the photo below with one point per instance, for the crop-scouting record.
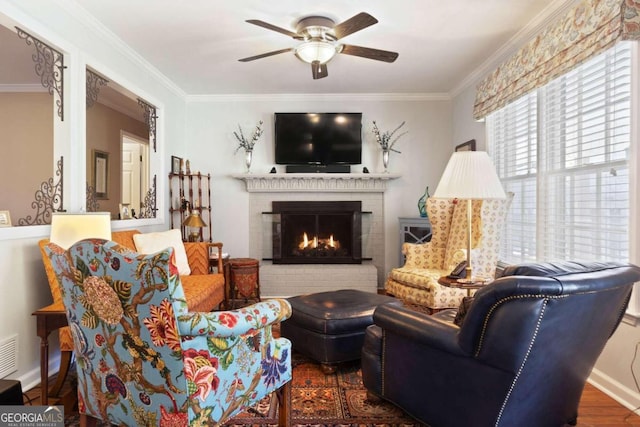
(520, 357)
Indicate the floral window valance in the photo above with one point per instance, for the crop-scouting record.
(586, 30)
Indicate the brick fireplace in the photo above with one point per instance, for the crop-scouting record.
(294, 279)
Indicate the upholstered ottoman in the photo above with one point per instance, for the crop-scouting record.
(329, 326)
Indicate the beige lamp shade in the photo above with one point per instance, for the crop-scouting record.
(470, 175)
(67, 228)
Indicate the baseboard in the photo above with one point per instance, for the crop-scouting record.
(622, 394)
(31, 378)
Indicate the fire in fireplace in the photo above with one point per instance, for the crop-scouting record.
(326, 232)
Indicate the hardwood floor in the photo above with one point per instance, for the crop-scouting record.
(596, 408)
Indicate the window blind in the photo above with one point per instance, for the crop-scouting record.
(563, 150)
(512, 136)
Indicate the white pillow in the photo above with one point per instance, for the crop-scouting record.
(149, 243)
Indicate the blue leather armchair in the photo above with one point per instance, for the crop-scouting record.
(521, 354)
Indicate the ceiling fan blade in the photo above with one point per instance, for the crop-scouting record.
(367, 52)
(264, 55)
(319, 70)
(274, 28)
(353, 24)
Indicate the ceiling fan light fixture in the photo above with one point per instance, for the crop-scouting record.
(311, 51)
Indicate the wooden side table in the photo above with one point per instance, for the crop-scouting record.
(462, 284)
(243, 280)
(48, 319)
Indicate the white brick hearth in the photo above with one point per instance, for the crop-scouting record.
(296, 279)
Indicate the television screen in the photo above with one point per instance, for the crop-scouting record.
(318, 138)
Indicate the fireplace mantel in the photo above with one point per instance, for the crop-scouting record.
(316, 182)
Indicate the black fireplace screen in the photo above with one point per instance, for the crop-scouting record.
(310, 232)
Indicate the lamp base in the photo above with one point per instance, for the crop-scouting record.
(194, 236)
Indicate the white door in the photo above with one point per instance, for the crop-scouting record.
(135, 183)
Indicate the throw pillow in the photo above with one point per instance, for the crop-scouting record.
(148, 243)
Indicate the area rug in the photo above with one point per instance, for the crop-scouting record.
(321, 400)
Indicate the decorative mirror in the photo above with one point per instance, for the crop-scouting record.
(121, 134)
(31, 106)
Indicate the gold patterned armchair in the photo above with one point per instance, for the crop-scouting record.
(416, 281)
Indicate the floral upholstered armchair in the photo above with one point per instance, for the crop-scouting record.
(143, 359)
(417, 280)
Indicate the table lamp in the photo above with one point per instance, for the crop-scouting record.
(470, 175)
(68, 228)
(194, 221)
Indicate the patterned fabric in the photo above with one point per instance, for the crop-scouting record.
(144, 359)
(457, 239)
(417, 281)
(431, 254)
(198, 256)
(586, 30)
(204, 290)
(421, 287)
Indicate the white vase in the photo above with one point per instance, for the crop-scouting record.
(248, 155)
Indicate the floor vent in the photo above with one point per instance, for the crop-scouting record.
(8, 356)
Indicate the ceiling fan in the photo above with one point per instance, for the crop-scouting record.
(319, 36)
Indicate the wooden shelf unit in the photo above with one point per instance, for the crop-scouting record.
(196, 190)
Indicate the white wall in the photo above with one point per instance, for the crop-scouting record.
(23, 284)
(464, 127)
(198, 129)
(211, 144)
(612, 372)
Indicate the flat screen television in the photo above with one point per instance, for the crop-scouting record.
(318, 138)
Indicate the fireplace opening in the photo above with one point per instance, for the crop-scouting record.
(309, 232)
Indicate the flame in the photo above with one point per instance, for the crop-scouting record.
(316, 242)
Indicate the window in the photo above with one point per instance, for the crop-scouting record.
(564, 151)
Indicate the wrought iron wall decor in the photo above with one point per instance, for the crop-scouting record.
(149, 206)
(94, 81)
(92, 200)
(49, 67)
(48, 199)
(150, 119)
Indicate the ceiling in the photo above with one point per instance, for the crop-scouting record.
(197, 44)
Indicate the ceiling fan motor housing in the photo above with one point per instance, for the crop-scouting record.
(316, 28)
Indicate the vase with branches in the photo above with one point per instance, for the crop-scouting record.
(387, 140)
(248, 143)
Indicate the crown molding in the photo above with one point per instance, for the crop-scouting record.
(261, 97)
(94, 25)
(548, 15)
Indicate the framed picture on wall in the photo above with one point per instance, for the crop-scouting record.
(101, 174)
(5, 219)
(176, 164)
(467, 146)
